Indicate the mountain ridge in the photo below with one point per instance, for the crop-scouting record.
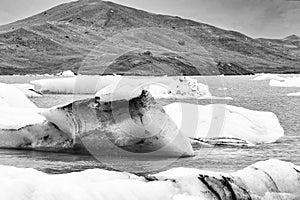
(70, 36)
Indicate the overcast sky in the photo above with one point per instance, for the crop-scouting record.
(256, 18)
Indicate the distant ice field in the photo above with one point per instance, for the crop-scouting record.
(254, 95)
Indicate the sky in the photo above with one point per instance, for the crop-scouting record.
(255, 18)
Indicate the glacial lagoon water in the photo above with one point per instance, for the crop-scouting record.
(255, 95)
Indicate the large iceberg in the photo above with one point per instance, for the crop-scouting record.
(133, 125)
(169, 87)
(130, 122)
(287, 82)
(266, 180)
(225, 123)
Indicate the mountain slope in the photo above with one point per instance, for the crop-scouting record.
(91, 36)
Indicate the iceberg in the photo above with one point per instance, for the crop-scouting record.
(13, 97)
(296, 94)
(227, 123)
(287, 82)
(21, 125)
(271, 179)
(133, 125)
(74, 85)
(263, 77)
(160, 87)
(175, 88)
(27, 89)
(67, 73)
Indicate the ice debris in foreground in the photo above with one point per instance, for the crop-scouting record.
(266, 180)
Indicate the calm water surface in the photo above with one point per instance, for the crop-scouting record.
(255, 95)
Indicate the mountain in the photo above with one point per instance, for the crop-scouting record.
(99, 37)
(292, 38)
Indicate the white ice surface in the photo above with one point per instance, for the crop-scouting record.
(263, 77)
(270, 179)
(164, 87)
(213, 121)
(67, 73)
(287, 82)
(16, 110)
(27, 89)
(296, 94)
(74, 85)
(13, 97)
(16, 118)
(160, 87)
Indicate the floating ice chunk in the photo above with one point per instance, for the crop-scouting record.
(268, 77)
(160, 87)
(163, 87)
(135, 125)
(16, 118)
(74, 85)
(224, 121)
(67, 73)
(27, 89)
(270, 179)
(287, 82)
(13, 97)
(272, 176)
(131, 89)
(296, 94)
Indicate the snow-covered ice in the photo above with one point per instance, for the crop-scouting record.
(263, 77)
(160, 87)
(225, 121)
(287, 82)
(16, 118)
(27, 89)
(13, 97)
(74, 85)
(295, 94)
(272, 179)
(67, 73)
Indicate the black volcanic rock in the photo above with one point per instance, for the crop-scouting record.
(65, 36)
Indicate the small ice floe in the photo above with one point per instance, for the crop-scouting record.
(286, 82)
(160, 88)
(263, 77)
(217, 122)
(296, 94)
(67, 73)
(28, 89)
(271, 179)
